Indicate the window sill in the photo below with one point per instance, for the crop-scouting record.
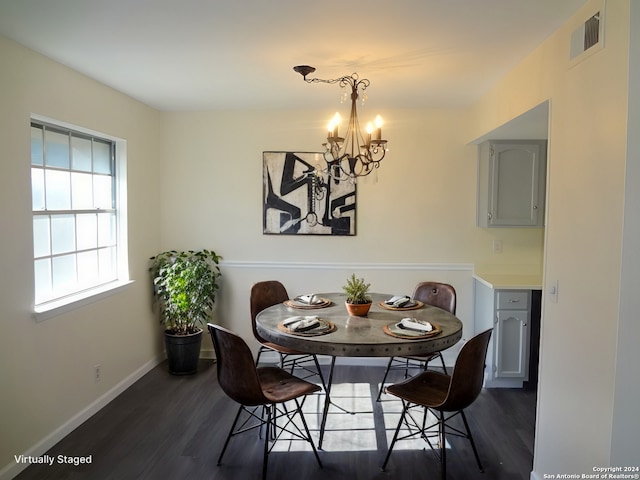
(58, 307)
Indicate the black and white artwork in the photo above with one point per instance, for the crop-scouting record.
(301, 198)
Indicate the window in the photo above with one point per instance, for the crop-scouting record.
(77, 216)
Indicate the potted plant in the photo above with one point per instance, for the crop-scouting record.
(358, 301)
(185, 285)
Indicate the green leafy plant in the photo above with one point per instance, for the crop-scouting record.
(185, 285)
(357, 290)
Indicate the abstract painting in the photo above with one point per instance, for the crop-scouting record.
(301, 198)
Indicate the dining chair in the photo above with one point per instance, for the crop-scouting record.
(262, 393)
(263, 295)
(435, 294)
(445, 396)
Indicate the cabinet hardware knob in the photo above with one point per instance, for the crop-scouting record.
(535, 207)
(489, 216)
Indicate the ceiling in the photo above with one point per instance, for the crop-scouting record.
(237, 54)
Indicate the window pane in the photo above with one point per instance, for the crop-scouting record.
(58, 193)
(102, 157)
(43, 286)
(106, 229)
(36, 146)
(73, 184)
(56, 149)
(64, 273)
(102, 189)
(88, 268)
(37, 188)
(81, 191)
(81, 154)
(87, 231)
(108, 264)
(63, 234)
(41, 237)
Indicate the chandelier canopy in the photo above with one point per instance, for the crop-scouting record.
(354, 155)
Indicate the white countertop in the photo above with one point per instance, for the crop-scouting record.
(510, 281)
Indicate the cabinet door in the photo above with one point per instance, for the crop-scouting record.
(515, 185)
(511, 343)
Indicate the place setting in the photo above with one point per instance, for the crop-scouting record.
(308, 301)
(400, 303)
(412, 328)
(306, 325)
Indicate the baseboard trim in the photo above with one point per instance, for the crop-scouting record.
(208, 354)
(13, 469)
(503, 383)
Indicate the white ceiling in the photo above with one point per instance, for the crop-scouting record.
(227, 54)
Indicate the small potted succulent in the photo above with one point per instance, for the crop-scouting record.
(185, 285)
(358, 301)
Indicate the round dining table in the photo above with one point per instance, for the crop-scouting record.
(375, 335)
(359, 336)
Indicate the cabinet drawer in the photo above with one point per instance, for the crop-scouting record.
(512, 300)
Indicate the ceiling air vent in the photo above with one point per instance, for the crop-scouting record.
(586, 36)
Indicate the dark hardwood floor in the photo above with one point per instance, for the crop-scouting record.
(169, 427)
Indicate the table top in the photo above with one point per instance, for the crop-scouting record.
(360, 336)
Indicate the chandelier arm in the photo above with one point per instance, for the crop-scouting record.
(351, 155)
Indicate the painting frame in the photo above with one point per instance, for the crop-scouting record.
(304, 195)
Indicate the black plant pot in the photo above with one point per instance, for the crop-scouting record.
(183, 352)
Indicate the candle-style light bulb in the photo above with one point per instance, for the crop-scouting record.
(369, 130)
(333, 125)
(379, 123)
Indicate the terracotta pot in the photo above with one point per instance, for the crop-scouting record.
(358, 309)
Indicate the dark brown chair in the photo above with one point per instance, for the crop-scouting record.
(441, 295)
(261, 392)
(445, 396)
(263, 295)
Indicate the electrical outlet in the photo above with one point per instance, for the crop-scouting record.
(497, 246)
(97, 373)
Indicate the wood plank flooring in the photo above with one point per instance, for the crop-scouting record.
(170, 427)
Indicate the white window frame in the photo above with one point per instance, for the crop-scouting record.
(75, 300)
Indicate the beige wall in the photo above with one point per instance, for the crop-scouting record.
(417, 216)
(420, 208)
(47, 368)
(586, 180)
(626, 421)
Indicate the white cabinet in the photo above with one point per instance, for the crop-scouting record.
(511, 183)
(512, 334)
(509, 313)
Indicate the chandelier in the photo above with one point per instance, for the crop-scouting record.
(354, 155)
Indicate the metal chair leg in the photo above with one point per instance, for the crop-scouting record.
(406, 367)
(470, 437)
(395, 435)
(267, 437)
(258, 356)
(443, 447)
(229, 435)
(320, 375)
(306, 429)
(444, 367)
